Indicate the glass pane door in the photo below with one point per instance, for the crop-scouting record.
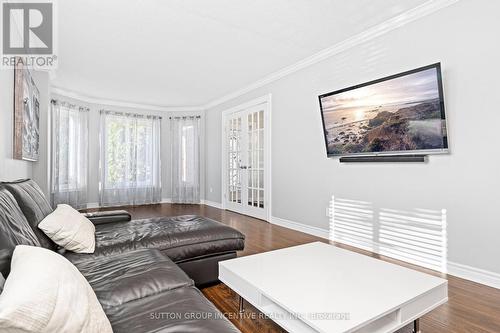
(245, 176)
(234, 182)
(255, 132)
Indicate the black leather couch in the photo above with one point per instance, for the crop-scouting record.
(195, 243)
(138, 270)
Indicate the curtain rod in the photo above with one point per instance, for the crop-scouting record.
(65, 103)
(129, 114)
(185, 117)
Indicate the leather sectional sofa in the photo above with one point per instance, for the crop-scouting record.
(143, 272)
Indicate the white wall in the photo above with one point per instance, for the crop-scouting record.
(11, 169)
(463, 37)
(93, 189)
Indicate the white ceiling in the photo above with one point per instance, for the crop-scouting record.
(190, 52)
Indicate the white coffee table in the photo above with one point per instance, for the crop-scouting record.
(318, 287)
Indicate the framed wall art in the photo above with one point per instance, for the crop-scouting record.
(26, 115)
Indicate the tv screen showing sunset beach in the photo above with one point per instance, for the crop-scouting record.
(399, 114)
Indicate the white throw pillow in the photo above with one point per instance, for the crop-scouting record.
(69, 229)
(45, 293)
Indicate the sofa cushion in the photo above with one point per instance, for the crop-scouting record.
(121, 278)
(180, 310)
(34, 206)
(180, 237)
(69, 229)
(14, 229)
(45, 293)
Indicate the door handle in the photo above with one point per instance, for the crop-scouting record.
(244, 167)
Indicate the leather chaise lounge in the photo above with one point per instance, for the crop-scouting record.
(133, 277)
(195, 243)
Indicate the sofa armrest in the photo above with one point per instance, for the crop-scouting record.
(108, 217)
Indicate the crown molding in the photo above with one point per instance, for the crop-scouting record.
(396, 22)
(123, 104)
(423, 10)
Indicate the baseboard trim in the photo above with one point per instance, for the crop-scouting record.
(212, 204)
(163, 200)
(474, 274)
(307, 229)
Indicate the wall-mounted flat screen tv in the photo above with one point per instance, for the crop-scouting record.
(399, 114)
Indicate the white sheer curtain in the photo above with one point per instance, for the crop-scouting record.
(69, 162)
(130, 166)
(185, 159)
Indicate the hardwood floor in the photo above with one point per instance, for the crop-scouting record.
(472, 307)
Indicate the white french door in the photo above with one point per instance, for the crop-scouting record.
(246, 160)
